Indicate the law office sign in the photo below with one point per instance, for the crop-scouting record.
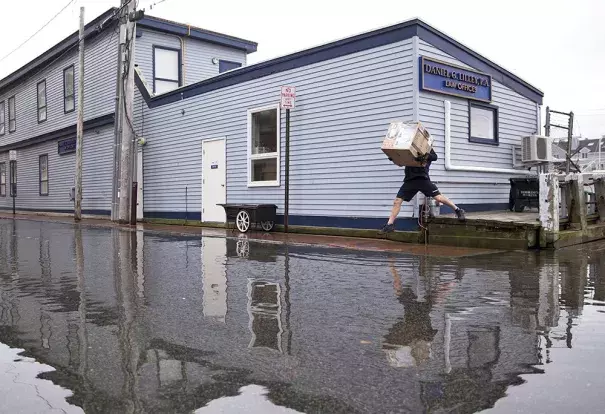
(444, 78)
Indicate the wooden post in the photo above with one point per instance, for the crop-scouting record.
(599, 186)
(549, 209)
(127, 84)
(576, 202)
(80, 124)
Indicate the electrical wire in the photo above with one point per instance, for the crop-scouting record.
(38, 31)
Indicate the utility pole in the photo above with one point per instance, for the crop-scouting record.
(117, 131)
(80, 125)
(126, 82)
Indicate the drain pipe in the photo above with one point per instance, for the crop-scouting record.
(448, 156)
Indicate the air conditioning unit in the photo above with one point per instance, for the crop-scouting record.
(536, 149)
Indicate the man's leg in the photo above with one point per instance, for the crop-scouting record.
(431, 190)
(395, 210)
(405, 193)
(444, 200)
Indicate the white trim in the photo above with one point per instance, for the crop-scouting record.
(205, 140)
(277, 154)
(213, 139)
(416, 80)
(277, 314)
(448, 158)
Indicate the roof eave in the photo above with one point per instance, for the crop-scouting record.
(476, 60)
(195, 33)
(56, 50)
(375, 38)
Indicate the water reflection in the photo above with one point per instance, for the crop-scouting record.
(137, 323)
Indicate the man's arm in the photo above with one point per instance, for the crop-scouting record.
(432, 156)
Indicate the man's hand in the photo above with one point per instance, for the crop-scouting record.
(422, 159)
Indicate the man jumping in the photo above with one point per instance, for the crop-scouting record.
(417, 180)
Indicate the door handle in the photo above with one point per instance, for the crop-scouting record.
(222, 185)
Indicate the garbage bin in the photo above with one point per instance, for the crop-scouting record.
(523, 193)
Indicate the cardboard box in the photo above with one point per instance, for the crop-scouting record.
(405, 141)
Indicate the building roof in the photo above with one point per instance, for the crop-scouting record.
(592, 145)
(60, 49)
(107, 19)
(179, 29)
(369, 40)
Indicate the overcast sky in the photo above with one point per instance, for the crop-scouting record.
(557, 46)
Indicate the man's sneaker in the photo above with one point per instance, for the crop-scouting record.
(460, 215)
(388, 228)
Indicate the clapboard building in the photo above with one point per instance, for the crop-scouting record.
(214, 131)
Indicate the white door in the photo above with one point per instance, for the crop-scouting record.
(140, 185)
(214, 180)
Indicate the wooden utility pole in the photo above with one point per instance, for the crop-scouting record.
(80, 126)
(117, 134)
(127, 84)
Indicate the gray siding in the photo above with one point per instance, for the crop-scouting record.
(517, 117)
(197, 60)
(344, 106)
(99, 91)
(96, 176)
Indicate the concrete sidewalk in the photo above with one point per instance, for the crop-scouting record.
(354, 243)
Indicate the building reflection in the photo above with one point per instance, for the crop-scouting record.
(214, 277)
(144, 330)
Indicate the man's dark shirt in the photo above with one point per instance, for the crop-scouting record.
(415, 173)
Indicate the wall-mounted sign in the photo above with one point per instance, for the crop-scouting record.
(441, 77)
(67, 146)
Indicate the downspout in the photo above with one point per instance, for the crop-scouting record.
(182, 40)
(448, 157)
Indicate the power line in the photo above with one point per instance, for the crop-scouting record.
(65, 52)
(38, 31)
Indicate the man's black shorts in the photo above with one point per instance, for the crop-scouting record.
(409, 189)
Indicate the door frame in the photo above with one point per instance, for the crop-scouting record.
(224, 139)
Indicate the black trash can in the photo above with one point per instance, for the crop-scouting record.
(524, 192)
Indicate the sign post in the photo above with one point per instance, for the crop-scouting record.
(287, 101)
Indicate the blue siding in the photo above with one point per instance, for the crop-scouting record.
(99, 87)
(197, 60)
(344, 106)
(517, 117)
(96, 176)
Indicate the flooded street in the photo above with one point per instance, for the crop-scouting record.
(143, 322)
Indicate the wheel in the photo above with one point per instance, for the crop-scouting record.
(267, 225)
(243, 248)
(242, 221)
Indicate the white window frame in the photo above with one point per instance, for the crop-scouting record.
(271, 155)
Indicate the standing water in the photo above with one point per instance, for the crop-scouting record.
(118, 321)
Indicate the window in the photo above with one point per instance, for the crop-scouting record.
(42, 101)
(263, 146)
(225, 65)
(12, 115)
(584, 155)
(13, 178)
(2, 119)
(43, 174)
(166, 69)
(483, 120)
(3, 179)
(69, 103)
